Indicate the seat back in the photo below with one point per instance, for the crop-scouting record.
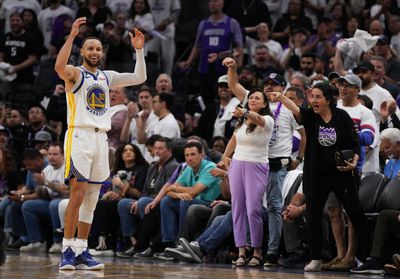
(370, 190)
(390, 196)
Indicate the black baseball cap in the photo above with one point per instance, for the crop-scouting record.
(277, 78)
(364, 65)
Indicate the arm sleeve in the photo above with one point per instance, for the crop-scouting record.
(237, 33)
(129, 79)
(206, 178)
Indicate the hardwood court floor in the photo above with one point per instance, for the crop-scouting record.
(39, 265)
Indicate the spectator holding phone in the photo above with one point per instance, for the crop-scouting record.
(328, 130)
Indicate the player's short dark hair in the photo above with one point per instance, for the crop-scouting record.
(166, 141)
(194, 144)
(31, 154)
(168, 99)
(89, 38)
(147, 89)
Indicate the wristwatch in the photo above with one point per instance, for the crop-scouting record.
(299, 159)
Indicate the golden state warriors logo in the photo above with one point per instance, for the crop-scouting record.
(96, 100)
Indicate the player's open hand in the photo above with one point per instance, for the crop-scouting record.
(76, 25)
(137, 40)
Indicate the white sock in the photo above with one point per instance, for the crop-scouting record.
(68, 242)
(314, 265)
(80, 246)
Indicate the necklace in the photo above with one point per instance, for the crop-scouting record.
(245, 9)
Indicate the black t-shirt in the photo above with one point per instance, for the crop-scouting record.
(329, 138)
(16, 50)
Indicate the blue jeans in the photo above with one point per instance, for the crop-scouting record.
(34, 213)
(55, 219)
(275, 206)
(129, 222)
(173, 214)
(216, 233)
(15, 218)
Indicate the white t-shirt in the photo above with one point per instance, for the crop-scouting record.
(282, 135)
(119, 6)
(395, 43)
(10, 6)
(274, 48)
(46, 19)
(151, 120)
(378, 95)
(54, 176)
(162, 9)
(253, 147)
(219, 125)
(365, 120)
(167, 127)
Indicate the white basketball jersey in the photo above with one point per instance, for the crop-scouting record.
(88, 101)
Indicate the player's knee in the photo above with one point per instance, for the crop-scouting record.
(89, 204)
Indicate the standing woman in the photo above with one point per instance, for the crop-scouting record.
(328, 130)
(248, 172)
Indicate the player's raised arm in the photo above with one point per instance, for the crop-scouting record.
(67, 72)
(139, 76)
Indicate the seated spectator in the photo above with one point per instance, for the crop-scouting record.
(37, 122)
(194, 186)
(390, 145)
(34, 162)
(128, 179)
(379, 76)
(290, 59)
(133, 210)
(44, 209)
(10, 6)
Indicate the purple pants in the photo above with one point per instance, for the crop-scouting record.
(248, 182)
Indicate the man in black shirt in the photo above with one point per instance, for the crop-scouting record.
(20, 49)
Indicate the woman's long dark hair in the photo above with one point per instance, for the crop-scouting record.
(8, 163)
(263, 111)
(328, 93)
(132, 11)
(119, 164)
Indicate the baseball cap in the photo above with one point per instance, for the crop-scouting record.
(364, 65)
(333, 75)
(42, 136)
(110, 23)
(383, 39)
(223, 79)
(351, 79)
(4, 129)
(277, 78)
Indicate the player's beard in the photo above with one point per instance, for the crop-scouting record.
(87, 61)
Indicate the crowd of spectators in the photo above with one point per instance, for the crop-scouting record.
(170, 138)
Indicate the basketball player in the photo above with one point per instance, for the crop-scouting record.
(86, 148)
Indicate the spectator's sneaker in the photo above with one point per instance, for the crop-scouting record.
(179, 253)
(193, 249)
(101, 252)
(164, 256)
(127, 253)
(293, 261)
(148, 253)
(271, 260)
(392, 269)
(16, 245)
(67, 260)
(371, 266)
(3, 247)
(34, 247)
(396, 260)
(85, 261)
(55, 248)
